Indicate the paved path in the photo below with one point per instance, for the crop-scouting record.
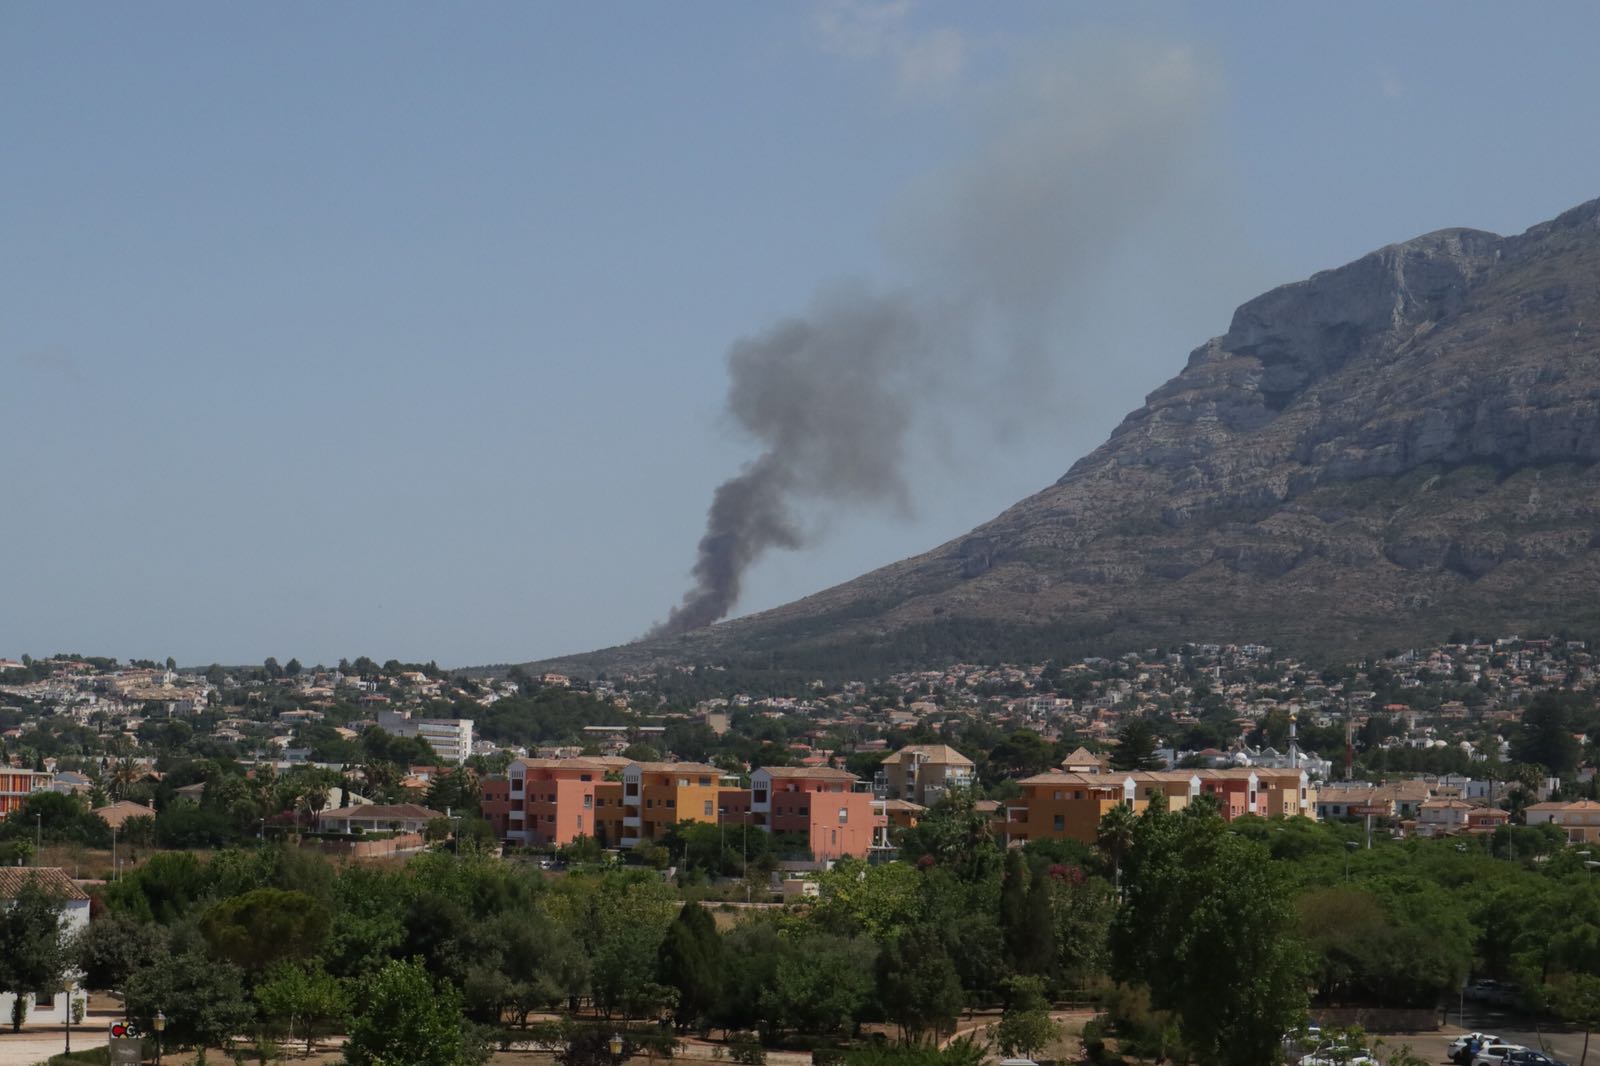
(36, 1043)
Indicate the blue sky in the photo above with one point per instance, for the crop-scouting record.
(401, 329)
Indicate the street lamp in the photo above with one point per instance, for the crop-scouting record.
(38, 840)
(160, 1022)
(614, 1045)
(74, 1013)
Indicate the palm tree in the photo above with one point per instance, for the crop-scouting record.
(125, 773)
(381, 779)
(1115, 837)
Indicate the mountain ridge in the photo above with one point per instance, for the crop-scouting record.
(1385, 450)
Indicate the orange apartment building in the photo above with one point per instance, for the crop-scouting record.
(17, 785)
(656, 795)
(830, 808)
(553, 802)
(1060, 805)
(1288, 792)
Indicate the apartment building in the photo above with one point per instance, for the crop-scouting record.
(657, 795)
(553, 801)
(1289, 792)
(1237, 792)
(1065, 805)
(831, 808)
(1057, 805)
(1580, 819)
(450, 738)
(17, 785)
(922, 773)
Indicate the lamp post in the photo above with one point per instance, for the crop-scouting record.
(74, 1014)
(160, 1022)
(614, 1045)
(38, 839)
(1349, 846)
(113, 853)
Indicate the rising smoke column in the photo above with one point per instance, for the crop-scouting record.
(1087, 141)
(830, 398)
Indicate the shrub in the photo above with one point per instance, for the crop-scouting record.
(746, 1050)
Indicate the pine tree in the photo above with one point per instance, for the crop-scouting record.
(1013, 903)
(919, 986)
(1039, 946)
(690, 961)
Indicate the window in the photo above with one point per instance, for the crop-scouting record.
(1060, 823)
(588, 802)
(708, 808)
(759, 795)
(649, 803)
(585, 777)
(683, 782)
(1059, 794)
(580, 823)
(672, 804)
(844, 815)
(1077, 794)
(705, 782)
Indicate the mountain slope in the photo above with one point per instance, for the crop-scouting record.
(1378, 454)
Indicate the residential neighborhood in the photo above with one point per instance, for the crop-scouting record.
(1062, 791)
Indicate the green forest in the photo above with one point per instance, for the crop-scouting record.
(1202, 941)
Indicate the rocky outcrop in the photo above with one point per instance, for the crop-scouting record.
(1384, 451)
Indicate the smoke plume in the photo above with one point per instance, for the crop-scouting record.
(1086, 141)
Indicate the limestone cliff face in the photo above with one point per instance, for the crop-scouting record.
(1400, 446)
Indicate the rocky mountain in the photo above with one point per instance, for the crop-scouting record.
(1372, 457)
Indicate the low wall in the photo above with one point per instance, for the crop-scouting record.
(354, 848)
(1379, 1019)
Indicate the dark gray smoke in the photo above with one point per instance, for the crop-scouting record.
(1087, 141)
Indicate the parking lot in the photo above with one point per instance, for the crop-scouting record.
(1563, 1044)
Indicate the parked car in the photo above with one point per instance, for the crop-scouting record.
(1333, 1055)
(1503, 994)
(1529, 1058)
(1302, 1039)
(1457, 1052)
(1491, 1054)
